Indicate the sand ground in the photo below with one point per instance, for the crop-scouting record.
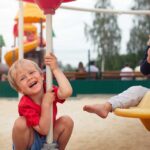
(90, 132)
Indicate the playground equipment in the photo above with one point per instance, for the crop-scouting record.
(3, 69)
(142, 111)
(29, 45)
(107, 11)
(32, 14)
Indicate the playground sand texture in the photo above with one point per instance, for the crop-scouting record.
(90, 132)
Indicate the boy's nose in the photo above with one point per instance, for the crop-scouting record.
(29, 76)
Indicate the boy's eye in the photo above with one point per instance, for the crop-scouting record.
(32, 72)
(21, 79)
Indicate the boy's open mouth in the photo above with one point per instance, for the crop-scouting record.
(32, 84)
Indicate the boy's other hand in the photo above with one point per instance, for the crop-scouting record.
(49, 97)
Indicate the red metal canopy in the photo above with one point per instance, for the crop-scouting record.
(49, 6)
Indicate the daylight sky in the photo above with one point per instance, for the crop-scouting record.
(70, 45)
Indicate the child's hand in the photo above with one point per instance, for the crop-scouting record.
(49, 97)
(51, 60)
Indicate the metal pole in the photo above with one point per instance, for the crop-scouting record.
(49, 46)
(109, 11)
(21, 34)
(20, 30)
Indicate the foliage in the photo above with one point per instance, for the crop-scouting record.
(104, 33)
(141, 29)
(2, 43)
(116, 62)
(67, 67)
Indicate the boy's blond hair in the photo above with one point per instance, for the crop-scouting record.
(13, 70)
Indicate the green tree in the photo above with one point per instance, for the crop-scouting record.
(2, 43)
(68, 67)
(140, 30)
(104, 34)
(120, 60)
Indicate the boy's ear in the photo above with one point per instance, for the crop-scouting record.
(20, 91)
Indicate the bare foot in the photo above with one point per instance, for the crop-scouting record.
(101, 110)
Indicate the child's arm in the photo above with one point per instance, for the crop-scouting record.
(145, 66)
(64, 89)
(44, 122)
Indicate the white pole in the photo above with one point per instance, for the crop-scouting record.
(20, 30)
(109, 11)
(21, 34)
(49, 46)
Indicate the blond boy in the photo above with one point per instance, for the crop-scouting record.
(33, 124)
